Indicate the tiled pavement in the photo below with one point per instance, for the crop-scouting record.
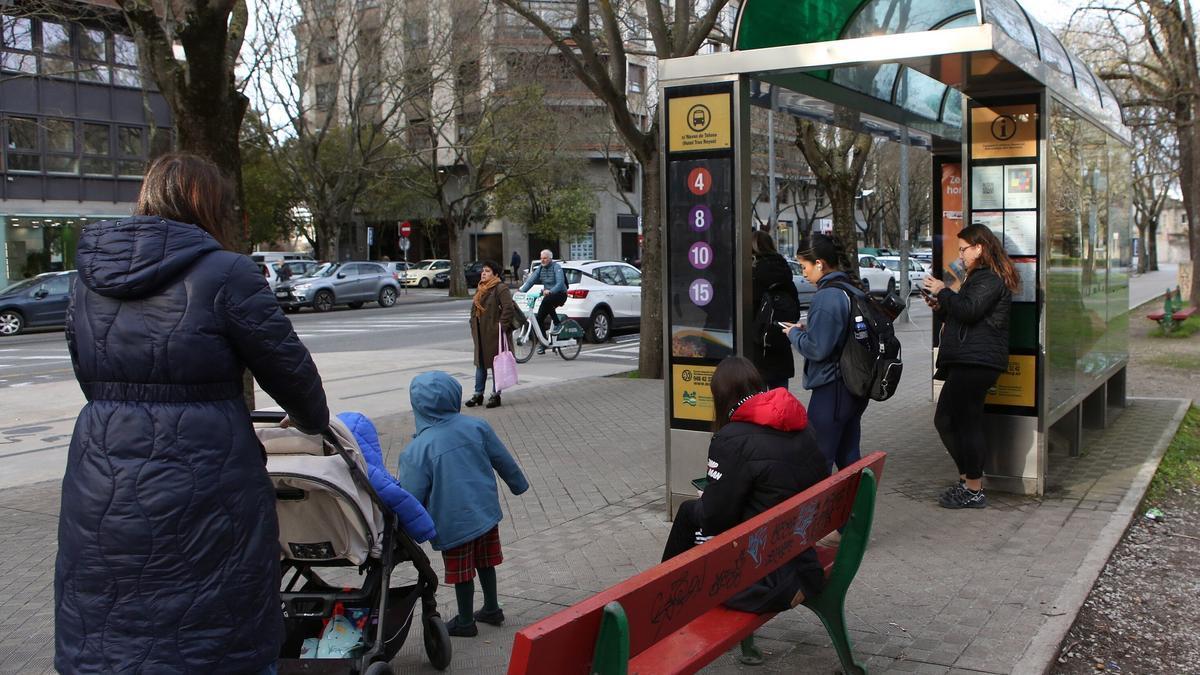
(939, 591)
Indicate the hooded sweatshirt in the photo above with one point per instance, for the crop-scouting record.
(168, 543)
(765, 455)
(449, 464)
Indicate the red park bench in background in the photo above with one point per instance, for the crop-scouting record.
(1174, 311)
(669, 619)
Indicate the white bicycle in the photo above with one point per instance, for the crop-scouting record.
(566, 342)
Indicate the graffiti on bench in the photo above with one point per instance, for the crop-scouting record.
(723, 571)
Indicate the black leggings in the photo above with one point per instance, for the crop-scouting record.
(959, 417)
(546, 312)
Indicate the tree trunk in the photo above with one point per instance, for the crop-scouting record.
(458, 280)
(841, 204)
(327, 240)
(1151, 247)
(650, 354)
(1144, 258)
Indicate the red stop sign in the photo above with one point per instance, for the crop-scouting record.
(405, 228)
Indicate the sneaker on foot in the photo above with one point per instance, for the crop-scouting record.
(966, 498)
(494, 617)
(459, 628)
(950, 492)
(541, 350)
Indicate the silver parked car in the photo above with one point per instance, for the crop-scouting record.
(349, 283)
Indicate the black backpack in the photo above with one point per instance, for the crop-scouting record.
(778, 303)
(870, 363)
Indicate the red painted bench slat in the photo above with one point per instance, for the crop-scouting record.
(697, 644)
(668, 597)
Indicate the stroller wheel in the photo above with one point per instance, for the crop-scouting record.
(379, 668)
(437, 641)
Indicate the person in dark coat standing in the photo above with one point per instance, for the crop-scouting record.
(972, 353)
(772, 353)
(515, 263)
(168, 543)
(762, 453)
(492, 310)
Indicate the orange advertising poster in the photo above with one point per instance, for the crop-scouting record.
(952, 213)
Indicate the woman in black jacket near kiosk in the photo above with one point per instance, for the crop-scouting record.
(168, 542)
(761, 454)
(772, 353)
(972, 353)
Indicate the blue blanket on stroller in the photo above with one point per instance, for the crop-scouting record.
(413, 517)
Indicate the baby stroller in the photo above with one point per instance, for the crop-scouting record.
(330, 517)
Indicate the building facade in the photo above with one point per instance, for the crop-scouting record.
(78, 122)
(464, 54)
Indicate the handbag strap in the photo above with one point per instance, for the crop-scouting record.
(500, 346)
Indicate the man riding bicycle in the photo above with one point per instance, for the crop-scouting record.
(554, 291)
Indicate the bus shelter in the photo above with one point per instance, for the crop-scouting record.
(1025, 139)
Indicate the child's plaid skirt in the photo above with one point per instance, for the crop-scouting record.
(462, 561)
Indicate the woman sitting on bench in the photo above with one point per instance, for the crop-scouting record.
(762, 453)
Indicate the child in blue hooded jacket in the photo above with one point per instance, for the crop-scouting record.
(450, 467)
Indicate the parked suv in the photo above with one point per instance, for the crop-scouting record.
(350, 283)
(40, 301)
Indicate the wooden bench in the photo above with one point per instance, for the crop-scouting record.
(1181, 315)
(669, 619)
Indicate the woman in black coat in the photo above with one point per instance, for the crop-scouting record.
(972, 352)
(168, 551)
(771, 351)
(762, 453)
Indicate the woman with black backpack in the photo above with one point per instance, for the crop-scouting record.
(776, 300)
(973, 351)
(835, 412)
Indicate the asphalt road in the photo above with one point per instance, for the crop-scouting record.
(41, 356)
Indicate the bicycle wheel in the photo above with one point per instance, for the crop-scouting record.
(524, 343)
(570, 352)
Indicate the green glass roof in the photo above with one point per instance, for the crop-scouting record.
(777, 23)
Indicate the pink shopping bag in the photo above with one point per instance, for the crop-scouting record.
(504, 366)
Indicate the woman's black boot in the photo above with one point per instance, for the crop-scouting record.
(493, 401)
(475, 400)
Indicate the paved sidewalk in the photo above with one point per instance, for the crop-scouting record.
(940, 591)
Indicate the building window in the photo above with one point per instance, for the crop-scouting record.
(56, 39)
(583, 247)
(416, 31)
(327, 50)
(21, 144)
(637, 78)
(97, 150)
(325, 93)
(131, 148)
(16, 33)
(325, 8)
(626, 177)
(61, 155)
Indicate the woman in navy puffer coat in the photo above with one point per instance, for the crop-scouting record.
(168, 558)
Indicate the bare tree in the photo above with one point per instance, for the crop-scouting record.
(1150, 46)
(485, 125)
(883, 204)
(340, 83)
(838, 158)
(596, 39)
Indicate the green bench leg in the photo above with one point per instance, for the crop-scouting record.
(612, 644)
(750, 654)
(831, 603)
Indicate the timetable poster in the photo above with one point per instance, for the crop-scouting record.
(1020, 233)
(1020, 186)
(992, 220)
(987, 188)
(701, 283)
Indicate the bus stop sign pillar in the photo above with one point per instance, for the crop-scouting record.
(705, 270)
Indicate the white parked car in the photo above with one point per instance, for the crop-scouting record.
(916, 271)
(425, 272)
(875, 275)
(601, 295)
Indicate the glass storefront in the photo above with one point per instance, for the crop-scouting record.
(35, 244)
